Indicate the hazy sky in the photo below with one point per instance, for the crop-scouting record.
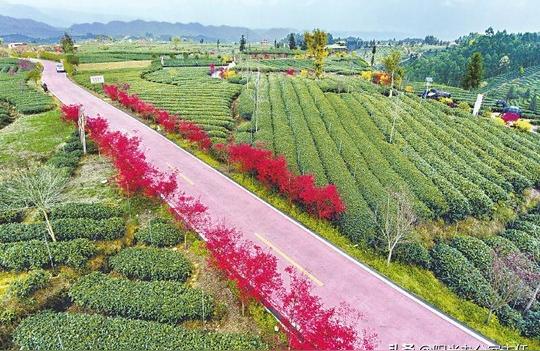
(445, 18)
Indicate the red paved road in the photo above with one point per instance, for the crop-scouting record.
(396, 316)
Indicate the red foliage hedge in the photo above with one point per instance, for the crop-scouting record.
(170, 122)
(308, 323)
(273, 172)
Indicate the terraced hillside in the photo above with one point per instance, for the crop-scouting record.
(453, 166)
(515, 88)
(187, 91)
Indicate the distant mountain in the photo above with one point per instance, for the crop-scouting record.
(15, 27)
(141, 28)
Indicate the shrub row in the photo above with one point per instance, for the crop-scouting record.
(494, 157)
(413, 253)
(38, 254)
(26, 286)
(65, 229)
(152, 264)
(364, 132)
(82, 332)
(162, 301)
(85, 210)
(158, 233)
(462, 177)
(475, 251)
(11, 216)
(453, 269)
(524, 242)
(69, 157)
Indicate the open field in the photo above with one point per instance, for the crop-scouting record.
(114, 65)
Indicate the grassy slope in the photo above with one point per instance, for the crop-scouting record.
(42, 133)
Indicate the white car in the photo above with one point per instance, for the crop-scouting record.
(60, 67)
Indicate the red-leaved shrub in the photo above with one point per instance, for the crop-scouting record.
(308, 323)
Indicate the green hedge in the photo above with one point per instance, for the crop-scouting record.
(246, 104)
(501, 244)
(65, 229)
(526, 226)
(152, 264)
(161, 301)
(413, 253)
(476, 251)
(531, 325)
(524, 242)
(68, 160)
(81, 332)
(85, 210)
(158, 233)
(11, 216)
(452, 268)
(26, 286)
(35, 254)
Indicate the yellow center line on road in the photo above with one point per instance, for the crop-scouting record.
(184, 177)
(290, 260)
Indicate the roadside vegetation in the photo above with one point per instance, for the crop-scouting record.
(465, 189)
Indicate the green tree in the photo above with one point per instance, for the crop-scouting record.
(504, 62)
(175, 41)
(475, 72)
(67, 44)
(292, 42)
(373, 52)
(316, 48)
(392, 66)
(34, 74)
(242, 43)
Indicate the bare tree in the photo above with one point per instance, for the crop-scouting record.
(40, 189)
(507, 284)
(395, 221)
(528, 271)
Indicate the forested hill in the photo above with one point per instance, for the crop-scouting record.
(502, 53)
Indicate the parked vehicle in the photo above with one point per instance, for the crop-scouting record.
(60, 68)
(511, 114)
(435, 94)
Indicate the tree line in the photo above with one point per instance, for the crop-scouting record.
(501, 52)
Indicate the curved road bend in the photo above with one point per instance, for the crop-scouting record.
(396, 316)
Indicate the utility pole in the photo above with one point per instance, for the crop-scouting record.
(82, 126)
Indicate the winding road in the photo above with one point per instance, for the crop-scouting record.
(395, 315)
